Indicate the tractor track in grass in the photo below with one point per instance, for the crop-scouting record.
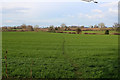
(74, 65)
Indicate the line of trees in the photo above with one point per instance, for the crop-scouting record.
(62, 27)
(23, 27)
(68, 28)
(27, 27)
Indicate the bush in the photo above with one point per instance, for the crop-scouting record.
(107, 32)
(116, 33)
(56, 28)
(51, 29)
(73, 33)
(85, 33)
(79, 31)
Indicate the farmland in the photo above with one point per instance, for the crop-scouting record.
(59, 55)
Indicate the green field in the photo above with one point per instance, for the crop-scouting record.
(58, 55)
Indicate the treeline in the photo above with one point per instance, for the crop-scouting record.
(23, 27)
(101, 27)
(62, 27)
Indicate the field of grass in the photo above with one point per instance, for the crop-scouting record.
(58, 55)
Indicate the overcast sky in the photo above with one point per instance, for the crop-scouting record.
(56, 12)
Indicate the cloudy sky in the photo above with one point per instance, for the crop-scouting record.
(52, 12)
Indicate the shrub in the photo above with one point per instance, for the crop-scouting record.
(61, 32)
(107, 32)
(56, 28)
(73, 33)
(85, 33)
(116, 33)
(79, 31)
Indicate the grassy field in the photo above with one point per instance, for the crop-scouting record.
(58, 55)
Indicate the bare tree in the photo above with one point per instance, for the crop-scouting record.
(69, 29)
(101, 25)
(51, 29)
(23, 26)
(91, 26)
(30, 28)
(36, 28)
(63, 25)
(9, 28)
(82, 26)
(95, 26)
(59, 29)
(4, 28)
(116, 26)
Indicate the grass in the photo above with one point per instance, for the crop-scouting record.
(85, 56)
